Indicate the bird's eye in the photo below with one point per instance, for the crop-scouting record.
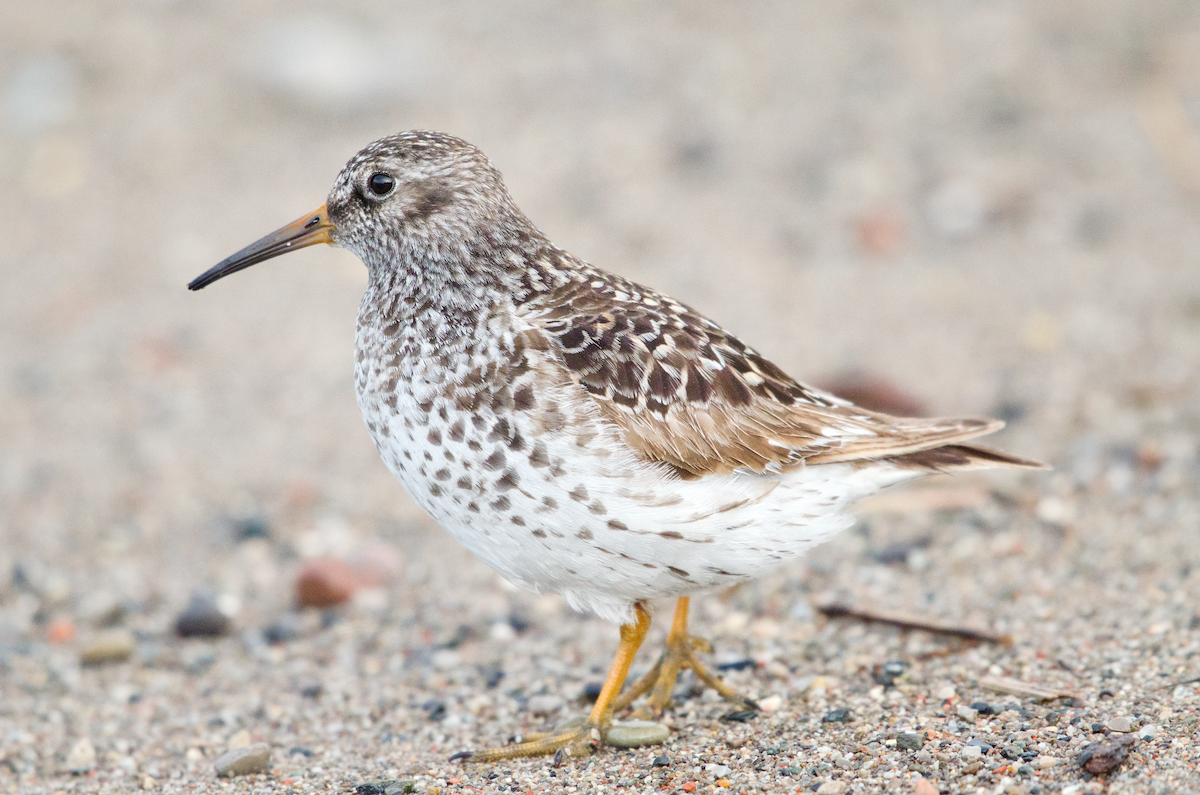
(381, 184)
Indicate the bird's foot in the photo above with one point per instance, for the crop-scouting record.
(659, 681)
(575, 738)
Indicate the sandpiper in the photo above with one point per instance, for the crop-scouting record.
(580, 433)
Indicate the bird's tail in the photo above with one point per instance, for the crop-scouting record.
(960, 458)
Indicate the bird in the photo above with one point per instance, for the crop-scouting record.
(580, 433)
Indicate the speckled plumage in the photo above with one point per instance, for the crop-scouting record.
(580, 433)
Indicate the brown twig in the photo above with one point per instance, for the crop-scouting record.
(910, 621)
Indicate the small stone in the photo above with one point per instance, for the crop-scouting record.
(111, 645)
(147, 782)
(739, 715)
(636, 733)
(910, 741)
(1148, 732)
(82, 757)
(945, 692)
(923, 787)
(966, 713)
(285, 628)
(254, 758)
(982, 707)
(970, 752)
(688, 786)
(325, 582)
(842, 715)
(832, 788)
(544, 705)
(1120, 724)
(958, 208)
(662, 760)
(876, 393)
(984, 747)
(1025, 770)
(388, 786)
(721, 771)
(250, 527)
(770, 703)
(60, 630)
(201, 619)
(1046, 762)
(239, 740)
(1103, 757)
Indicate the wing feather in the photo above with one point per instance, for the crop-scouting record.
(686, 392)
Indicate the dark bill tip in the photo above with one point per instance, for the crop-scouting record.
(305, 231)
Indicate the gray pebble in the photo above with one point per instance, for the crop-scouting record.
(1120, 724)
(254, 758)
(201, 619)
(910, 741)
(636, 733)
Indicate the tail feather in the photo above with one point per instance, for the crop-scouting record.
(959, 458)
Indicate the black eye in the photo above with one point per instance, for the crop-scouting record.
(381, 184)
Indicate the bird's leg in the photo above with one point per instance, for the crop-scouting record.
(680, 653)
(588, 735)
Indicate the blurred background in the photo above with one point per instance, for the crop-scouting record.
(973, 207)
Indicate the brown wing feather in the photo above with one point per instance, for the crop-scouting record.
(686, 392)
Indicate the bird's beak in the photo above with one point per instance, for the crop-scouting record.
(308, 230)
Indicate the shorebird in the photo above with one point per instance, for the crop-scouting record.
(580, 433)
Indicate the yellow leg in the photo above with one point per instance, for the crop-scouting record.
(680, 653)
(586, 737)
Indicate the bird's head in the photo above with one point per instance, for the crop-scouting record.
(414, 197)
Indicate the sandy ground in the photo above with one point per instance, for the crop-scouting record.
(993, 206)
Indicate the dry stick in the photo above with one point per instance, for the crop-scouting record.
(910, 621)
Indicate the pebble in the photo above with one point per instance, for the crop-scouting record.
(1120, 724)
(969, 714)
(958, 208)
(543, 705)
(662, 760)
(254, 758)
(43, 93)
(636, 733)
(239, 740)
(970, 752)
(837, 716)
(201, 619)
(876, 393)
(770, 703)
(1105, 756)
(82, 757)
(945, 692)
(720, 771)
(112, 645)
(910, 741)
(60, 630)
(325, 582)
(1148, 732)
(984, 747)
(832, 788)
(923, 787)
(386, 787)
(1046, 762)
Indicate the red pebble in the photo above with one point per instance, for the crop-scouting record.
(325, 582)
(689, 786)
(60, 630)
(881, 232)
